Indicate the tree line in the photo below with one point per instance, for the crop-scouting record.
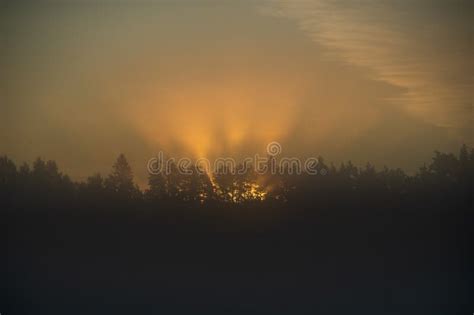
(447, 174)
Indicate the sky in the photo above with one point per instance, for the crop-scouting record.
(382, 81)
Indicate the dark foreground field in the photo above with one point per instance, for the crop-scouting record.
(241, 260)
(355, 241)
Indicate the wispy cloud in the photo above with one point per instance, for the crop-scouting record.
(423, 47)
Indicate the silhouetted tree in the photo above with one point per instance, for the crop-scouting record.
(8, 180)
(120, 181)
(157, 187)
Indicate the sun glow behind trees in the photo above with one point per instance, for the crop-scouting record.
(224, 185)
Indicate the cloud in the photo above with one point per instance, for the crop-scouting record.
(422, 47)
